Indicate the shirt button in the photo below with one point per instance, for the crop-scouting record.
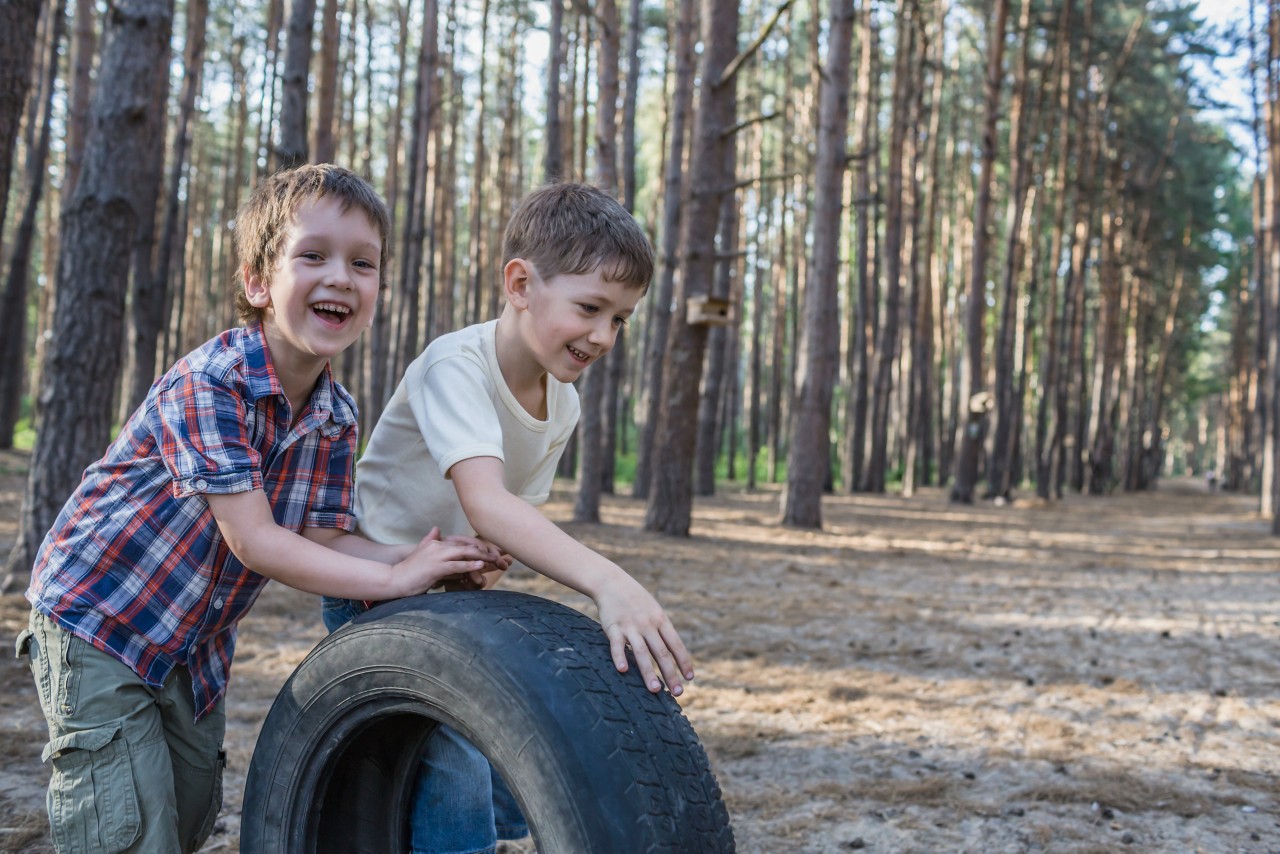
(201, 484)
(218, 603)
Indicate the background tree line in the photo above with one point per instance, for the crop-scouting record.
(988, 244)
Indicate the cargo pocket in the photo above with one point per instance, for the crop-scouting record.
(93, 801)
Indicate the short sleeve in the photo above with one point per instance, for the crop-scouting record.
(202, 436)
(453, 406)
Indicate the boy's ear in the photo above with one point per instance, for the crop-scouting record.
(255, 289)
(516, 278)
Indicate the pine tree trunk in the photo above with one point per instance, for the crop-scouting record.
(83, 370)
(659, 307)
(149, 299)
(707, 446)
(292, 148)
(866, 122)
(975, 311)
(670, 505)
(818, 361)
(13, 326)
(1000, 462)
(594, 399)
(326, 147)
(888, 335)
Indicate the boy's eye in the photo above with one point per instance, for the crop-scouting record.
(363, 263)
(619, 322)
(311, 256)
(588, 308)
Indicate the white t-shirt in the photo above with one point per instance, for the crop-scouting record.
(452, 404)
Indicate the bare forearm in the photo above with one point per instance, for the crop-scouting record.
(361, 547)
(522, 531)
(340, 568)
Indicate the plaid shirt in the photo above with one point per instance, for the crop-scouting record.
(135, 563)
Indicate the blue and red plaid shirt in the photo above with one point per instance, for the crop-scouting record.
(135, 563)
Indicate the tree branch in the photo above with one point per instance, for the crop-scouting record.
(732, 68)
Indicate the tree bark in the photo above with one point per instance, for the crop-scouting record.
(888, 334)
(149, 298)
(975, 310)
(670, 505)
(19, 20)
(13, 326)
(591, 432)
(659, 308)
(292, 149)
(819, 357)
(83, 369)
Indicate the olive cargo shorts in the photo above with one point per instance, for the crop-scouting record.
(132, 769)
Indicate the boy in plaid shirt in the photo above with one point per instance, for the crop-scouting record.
(237, 468)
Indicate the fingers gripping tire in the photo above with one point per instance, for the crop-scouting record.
(596, 762)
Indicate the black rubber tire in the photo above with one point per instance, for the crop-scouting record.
(596, 761)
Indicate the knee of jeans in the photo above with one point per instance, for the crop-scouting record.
(93, 796)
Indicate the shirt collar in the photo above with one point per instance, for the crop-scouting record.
(260, 377)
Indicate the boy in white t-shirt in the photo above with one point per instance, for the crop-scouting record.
(470, 441)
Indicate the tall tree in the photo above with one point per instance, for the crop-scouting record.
(659, 305)
(863, 280)
(888, 334)
(819, 357)
(1007, 411)
(83, 367)
(292, 147)
(670, 501)
(327, 83)
(975, 309)
(19, 20)
(13, 357)
(594, 399)
(553, 152)
(150, 290)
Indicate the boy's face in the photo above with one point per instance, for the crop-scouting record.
(324, 288)
(570, 320)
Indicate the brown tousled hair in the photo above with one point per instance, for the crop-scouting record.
(571, 229)
(265, 216)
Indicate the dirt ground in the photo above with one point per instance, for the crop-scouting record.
(1095, 675)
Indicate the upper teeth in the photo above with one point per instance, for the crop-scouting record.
(331, 306)
(581, 355)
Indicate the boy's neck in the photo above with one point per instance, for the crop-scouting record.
(297, 374)
(523, 375)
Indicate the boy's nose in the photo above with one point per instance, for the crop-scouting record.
(338, 276)
(602, 334)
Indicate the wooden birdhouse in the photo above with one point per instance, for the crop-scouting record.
(704, 310)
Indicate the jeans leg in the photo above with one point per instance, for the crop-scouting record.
(338, 612)
(453, 798)
(507, 818)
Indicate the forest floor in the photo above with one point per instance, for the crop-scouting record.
(1098, 674)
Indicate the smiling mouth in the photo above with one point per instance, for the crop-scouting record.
(577, 354)
(331, 311)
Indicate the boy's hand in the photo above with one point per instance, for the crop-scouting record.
(435, 560)
(632, 617)
(495, 565)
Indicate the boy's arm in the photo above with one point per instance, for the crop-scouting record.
(355, 545)
(628, 613)
(246, 523)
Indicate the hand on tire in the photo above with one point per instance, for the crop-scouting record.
(633, 618)
(435, 560)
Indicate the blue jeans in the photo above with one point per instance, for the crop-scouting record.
(460, 803)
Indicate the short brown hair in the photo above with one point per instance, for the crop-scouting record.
(264, 218)
(571, 229)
